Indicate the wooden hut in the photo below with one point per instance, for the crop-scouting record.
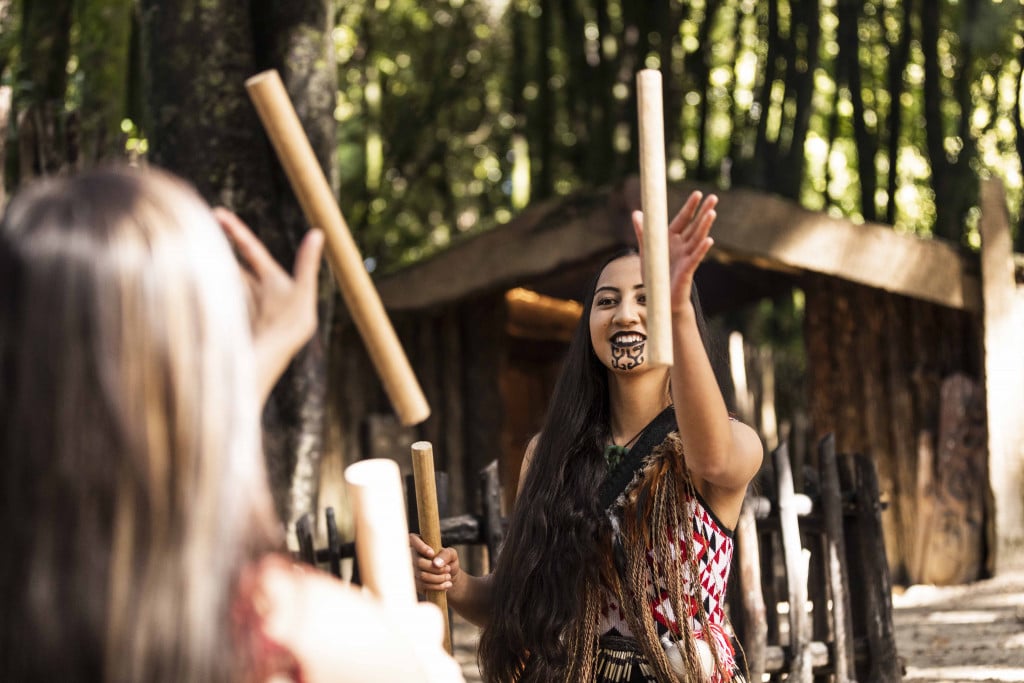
(893, 330)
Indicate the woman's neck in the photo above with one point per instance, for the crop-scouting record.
(635, 400)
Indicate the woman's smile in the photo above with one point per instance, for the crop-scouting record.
(619, 314)
(628, 339)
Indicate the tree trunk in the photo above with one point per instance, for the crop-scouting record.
(1018, 122)
(295, 38)
(544, 111)
(943, 181)
(765, 149)
(44, 131)
(898, 59)
(805, 35)
(104, 50)
(867, 143)
(203, 127)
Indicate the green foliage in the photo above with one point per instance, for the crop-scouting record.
(454, 114)
(766, 94)
(422, 139)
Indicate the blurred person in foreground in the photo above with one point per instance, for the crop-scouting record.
(141, 543)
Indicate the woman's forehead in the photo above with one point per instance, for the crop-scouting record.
(625, 271)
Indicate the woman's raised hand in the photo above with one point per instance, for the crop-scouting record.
(688, 242)
(433, 571)
(283, 306)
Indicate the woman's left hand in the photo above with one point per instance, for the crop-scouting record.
(283, 306)
(688, 242)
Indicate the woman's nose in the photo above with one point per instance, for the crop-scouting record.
(627, 312)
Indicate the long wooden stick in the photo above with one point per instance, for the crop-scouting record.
(655, 206)
(318, 204)
(429, 518)
(382, 534)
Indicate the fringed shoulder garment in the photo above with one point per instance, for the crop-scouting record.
(670, 557)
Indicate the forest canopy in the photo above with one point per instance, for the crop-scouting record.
(452, 115)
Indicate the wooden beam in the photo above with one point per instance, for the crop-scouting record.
(1004, 374)
(543, 239)
(752, 227)
(775, 233)
(535, 316)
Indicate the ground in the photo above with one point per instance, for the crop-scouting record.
(959, 634)
(973, 632)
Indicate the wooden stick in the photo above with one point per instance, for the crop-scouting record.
(382, 535)
(318, 204)
(430, 519)
(654, 202)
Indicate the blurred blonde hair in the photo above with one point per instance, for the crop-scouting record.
(133, 484)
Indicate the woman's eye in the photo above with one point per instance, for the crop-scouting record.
(641, 299)
(606, 301)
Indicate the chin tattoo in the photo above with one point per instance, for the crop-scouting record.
(627, 357)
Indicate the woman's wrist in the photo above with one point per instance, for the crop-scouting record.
(684, 312)
(459, 588)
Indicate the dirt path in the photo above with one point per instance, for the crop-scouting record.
(963, 633)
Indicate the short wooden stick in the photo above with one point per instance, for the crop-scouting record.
(318, 204)
(655, 206)
(382, 535)
(429, 518)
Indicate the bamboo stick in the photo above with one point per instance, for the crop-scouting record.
(318, 204)
(430, 519)
(655, 206)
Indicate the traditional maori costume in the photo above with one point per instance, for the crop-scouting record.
(667, 555)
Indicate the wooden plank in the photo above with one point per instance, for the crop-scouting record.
(818, 595)
(304, 533)
(763, 509)
(493, 527)
(953, 547)
(900, 361)
(761, 228)
(544, 238)
(754, 623)
(453, 458)
(883, 665)
(796, 574)
(835, 559)
(333, 544)
(1004, 374)
(775, 657)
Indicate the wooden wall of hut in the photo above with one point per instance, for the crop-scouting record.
(457, 353)
(899, 379)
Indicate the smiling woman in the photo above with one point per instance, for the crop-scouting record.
(618, 316)
(607, 544)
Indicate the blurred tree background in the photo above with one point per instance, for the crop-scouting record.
(452, 115)
(439, 119)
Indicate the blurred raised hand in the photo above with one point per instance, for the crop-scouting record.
(282, 306)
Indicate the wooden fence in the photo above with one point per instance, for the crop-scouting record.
(810, 597)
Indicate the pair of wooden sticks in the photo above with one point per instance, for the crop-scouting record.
(382, 549)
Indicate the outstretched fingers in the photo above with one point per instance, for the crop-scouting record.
(687, 213)
(638, 229)
(250, 250)
(307, 261)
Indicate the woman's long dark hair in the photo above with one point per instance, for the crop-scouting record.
(552, 553)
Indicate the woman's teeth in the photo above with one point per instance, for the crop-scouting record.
(630, 339)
